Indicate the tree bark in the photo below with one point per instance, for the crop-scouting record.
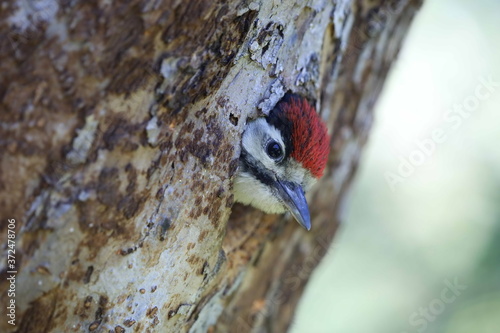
(120, 133)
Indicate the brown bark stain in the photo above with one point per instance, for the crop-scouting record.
(36, 320)
(204, 49)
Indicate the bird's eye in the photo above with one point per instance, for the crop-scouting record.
(274, 150)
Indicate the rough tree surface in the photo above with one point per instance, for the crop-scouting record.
(119, 139)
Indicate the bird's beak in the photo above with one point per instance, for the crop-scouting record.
(293, 197)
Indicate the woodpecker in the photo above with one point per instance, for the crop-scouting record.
(282, 156)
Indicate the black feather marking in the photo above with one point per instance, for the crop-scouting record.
(278, 118)
(251, 165)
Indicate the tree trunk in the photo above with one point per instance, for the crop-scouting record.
(120, 132)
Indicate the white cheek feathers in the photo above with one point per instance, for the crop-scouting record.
(250, 191)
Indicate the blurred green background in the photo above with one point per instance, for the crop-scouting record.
(401, 248)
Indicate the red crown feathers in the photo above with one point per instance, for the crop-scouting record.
(309, 136)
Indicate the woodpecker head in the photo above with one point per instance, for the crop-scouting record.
(282, 156)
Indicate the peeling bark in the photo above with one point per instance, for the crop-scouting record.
(120, 132)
